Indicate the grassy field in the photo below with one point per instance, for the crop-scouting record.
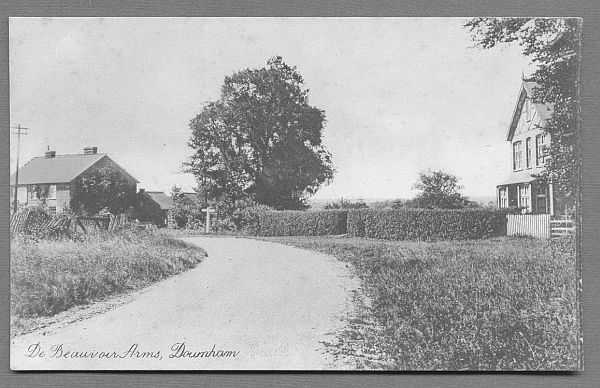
(497, 304)
(51, 276)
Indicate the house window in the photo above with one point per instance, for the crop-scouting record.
(503, 197)
(52, 192)
(517, 155)
(22, 194)
(524, 195)
(52, 210)
(32, 193)
(540, 149)
(528, 152)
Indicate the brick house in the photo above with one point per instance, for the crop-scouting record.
(49, 180)
(528, 144)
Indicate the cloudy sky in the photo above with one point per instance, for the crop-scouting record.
(401, 95)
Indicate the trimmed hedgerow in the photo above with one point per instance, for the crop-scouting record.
(301, 223)
(426, 224)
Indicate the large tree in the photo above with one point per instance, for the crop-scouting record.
(261, 139)
(553, 45)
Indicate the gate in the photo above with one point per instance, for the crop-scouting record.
(562, 227)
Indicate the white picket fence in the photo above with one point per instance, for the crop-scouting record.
(534, 225)
(538, 225)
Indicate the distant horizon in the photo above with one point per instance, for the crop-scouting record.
(394, 107)
(482, 199)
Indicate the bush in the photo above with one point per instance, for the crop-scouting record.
(187, 210)
(300, 223)
(426, 224)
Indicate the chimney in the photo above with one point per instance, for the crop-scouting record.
(90, 150)
(50, 154)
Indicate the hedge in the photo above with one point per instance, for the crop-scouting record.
(301, 223)
(426, 224)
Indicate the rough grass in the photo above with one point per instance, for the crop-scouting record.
(498, 304)
(51, 276)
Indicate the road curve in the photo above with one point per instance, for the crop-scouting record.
(249, 305)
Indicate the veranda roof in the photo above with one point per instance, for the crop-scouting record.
(518, 177)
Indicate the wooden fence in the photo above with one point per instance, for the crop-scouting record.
(534, 225)
(108, 222)
(36, 222)
(538, 225)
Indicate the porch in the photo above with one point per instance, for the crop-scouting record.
(529, 197)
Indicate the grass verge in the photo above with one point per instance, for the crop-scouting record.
(51, 276)
(497, 304)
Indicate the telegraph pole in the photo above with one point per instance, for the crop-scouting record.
(18, 130)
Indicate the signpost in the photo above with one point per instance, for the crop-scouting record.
(208, 212)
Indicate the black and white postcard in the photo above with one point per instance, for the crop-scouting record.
(339, 194)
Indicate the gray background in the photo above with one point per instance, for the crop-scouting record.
(589, 10)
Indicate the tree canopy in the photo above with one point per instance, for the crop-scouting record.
(102, 188)
(261, 139)
(438, 189)
(553, 45)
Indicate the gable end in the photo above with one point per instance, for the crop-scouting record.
(516, 114)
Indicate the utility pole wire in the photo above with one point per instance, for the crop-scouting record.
(19, 131)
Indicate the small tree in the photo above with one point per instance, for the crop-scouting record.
(102, 188)
(439, 189)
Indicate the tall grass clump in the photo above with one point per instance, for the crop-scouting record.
(50, 276)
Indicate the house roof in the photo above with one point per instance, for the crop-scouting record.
(58, 169)
(518, 177)
(163, 200)
(543, 110)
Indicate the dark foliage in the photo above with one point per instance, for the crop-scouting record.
(298, 223)
(261, 139)
(102, 188)
(187, 211)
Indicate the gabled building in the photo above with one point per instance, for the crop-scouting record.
(528, 153)
(49, 180)
(155, 207)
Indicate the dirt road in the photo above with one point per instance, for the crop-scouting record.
(249, 305)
